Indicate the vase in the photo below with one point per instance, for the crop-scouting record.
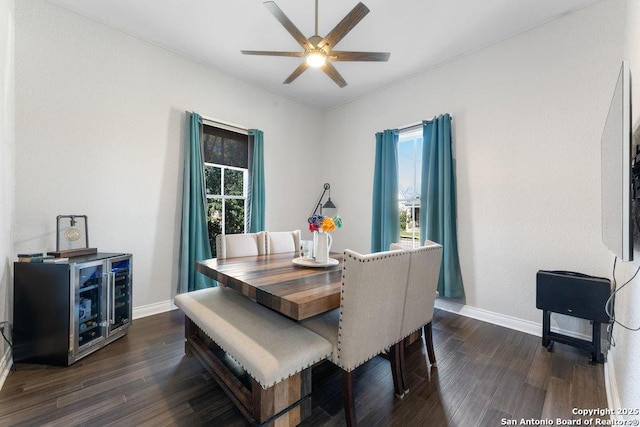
(321, 245)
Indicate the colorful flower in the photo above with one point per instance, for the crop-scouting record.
(328, 225)
(325, 224)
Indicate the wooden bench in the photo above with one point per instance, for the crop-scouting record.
(269, 376)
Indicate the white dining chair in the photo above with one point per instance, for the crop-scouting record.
(282, 241)
(422, 291)
(370, 315)
(239, 245)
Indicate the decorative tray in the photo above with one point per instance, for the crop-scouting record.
(306, 262)
(68, 253)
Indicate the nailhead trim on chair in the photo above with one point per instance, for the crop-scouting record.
(386, 255)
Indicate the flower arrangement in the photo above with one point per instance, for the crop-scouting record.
(321, 223)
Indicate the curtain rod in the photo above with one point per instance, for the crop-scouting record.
(225, 125)
(417, 125)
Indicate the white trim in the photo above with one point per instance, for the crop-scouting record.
(526, 326)
(5, 366)
(151, 309)
(613, 398)
(138, 312)
(225, 125)
(533, 328)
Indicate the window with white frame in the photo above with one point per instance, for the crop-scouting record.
(409, 184)
(226, 170)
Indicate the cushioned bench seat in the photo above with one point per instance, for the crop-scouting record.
(275, 351)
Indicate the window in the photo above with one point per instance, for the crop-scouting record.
(226, 171)
(409, 184)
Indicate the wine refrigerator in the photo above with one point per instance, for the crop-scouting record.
(66, 311)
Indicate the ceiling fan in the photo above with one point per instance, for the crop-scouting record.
(318, 51)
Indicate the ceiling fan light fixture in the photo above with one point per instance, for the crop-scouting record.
(318, 51)
(316, 58)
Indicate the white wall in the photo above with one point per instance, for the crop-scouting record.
(100, 129)
(624, 357)
(6, 164)
(100, 126)
(528, 116)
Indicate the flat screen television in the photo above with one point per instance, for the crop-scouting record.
(616, 165)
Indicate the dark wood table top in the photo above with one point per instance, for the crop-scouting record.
(274, 281)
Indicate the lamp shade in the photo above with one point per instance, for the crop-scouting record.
(329, 208)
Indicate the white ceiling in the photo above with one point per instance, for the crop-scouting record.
(420, 34)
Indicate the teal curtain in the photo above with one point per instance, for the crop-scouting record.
(385, 220)
(256, 186)
(195, 237)
(438, 201)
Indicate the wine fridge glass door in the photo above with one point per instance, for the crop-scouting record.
(89, 311)
(119, 300)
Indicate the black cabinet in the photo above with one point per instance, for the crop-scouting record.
(63, 312)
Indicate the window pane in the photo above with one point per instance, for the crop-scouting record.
(214, 222)
(233, 182)
(212, 148)
(409, 223)
(212, 176)
(236, 153)
(225, 147)
(224, 152)
(234, 216)
(409, 168)
(409, 183)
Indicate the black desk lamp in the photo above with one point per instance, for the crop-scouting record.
(329, 207)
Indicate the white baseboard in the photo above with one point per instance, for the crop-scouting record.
(526, 326)
(5, 366)
(151, 309)
(613, 398)
(533, 328)
(143, 311)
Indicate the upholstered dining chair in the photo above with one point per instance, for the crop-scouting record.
(370, 314)
(238, 245)
(422, 291)
(282, 241)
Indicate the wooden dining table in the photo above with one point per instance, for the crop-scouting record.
(298, 292)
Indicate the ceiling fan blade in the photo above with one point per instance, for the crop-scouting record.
(296, 73)
(271, 53)
(344, 26)
(359, 56)
(288, 25)
(331, 71)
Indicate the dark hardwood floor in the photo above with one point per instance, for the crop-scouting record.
(485, 374)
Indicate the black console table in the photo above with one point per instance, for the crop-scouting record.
(577, 295)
